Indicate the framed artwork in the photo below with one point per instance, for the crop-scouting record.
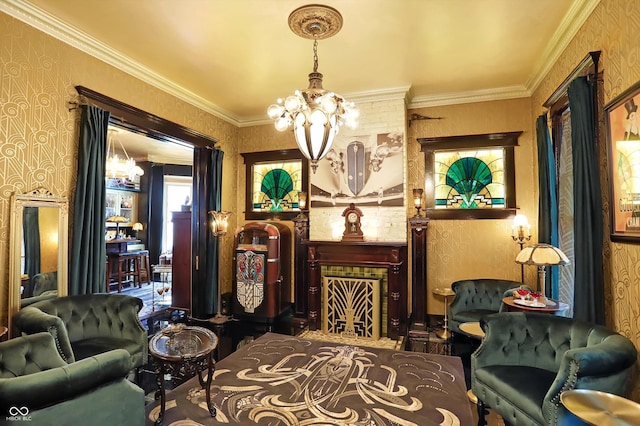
(470, 177)
(273, 181)
(623, 150)
(366, 170)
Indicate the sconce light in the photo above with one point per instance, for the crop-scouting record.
(302, 203)
(521, 230)
(417, 200)
(219, 227)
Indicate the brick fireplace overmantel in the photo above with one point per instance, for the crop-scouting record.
(391, 256)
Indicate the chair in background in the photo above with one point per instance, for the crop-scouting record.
(526, 361)
(477, 297)
(86, 325)
(45, 286)
(91, 391)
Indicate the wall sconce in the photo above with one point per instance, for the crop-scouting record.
(521, 230)
(219, 227)
(417, 200)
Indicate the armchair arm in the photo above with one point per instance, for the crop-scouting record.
(32, 320)
(602, 367)
(63, 383)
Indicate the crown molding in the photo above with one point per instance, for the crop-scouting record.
(485, 95)
(575, 18)
(54, 27)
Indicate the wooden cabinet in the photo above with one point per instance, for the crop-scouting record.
(121, 203)
(181, 260)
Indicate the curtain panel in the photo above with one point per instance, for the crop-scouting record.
(87, 267)
(588, 226)
(548, 200)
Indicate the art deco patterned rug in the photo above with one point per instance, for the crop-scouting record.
(283, 380)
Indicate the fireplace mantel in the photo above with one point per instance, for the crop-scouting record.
(389, 255)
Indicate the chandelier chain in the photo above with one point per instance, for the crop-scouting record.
(315, 53)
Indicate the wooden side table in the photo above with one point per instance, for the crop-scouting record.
(187, 352)
(444, 334)
(512, 306)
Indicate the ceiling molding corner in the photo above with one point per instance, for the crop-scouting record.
(53, 27)
(575, 18)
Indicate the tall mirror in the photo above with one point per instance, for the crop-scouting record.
(38, 252)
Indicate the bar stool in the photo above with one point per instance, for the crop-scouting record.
(144, 269)
(444, 334)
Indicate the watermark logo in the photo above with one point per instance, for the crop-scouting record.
(18, 414)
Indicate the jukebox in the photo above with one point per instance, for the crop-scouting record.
(262, 265)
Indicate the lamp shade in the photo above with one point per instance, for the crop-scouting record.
(137, 226)
(117, 219)
(542, 255)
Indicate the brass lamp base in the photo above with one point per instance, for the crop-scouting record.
(219, 319)
(444, 334)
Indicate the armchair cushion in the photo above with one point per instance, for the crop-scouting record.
(85, 325)
(527, 360)
(477, 298)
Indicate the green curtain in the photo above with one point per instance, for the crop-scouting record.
(214, 202)
(588, 227)
(87, 266)
(548, 201)
(31, 241)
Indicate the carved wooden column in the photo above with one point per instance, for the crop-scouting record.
(314, 288)
(300, 284)
(419, 227)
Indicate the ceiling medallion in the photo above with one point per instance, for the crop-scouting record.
(315, 114)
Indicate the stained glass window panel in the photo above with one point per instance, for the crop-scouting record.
(472, 179)
(276, 186)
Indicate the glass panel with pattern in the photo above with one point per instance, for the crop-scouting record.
(276, 186)
(469, 179)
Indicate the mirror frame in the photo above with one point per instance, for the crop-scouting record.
(37, 198)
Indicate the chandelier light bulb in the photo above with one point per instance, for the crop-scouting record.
(275, 111)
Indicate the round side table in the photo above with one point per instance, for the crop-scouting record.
(444, 334)
(601, 408)
(473, 330)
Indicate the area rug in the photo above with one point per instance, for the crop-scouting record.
(283, 380)
(384, 342)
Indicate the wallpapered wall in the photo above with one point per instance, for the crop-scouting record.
(39, 135)
(460, 249)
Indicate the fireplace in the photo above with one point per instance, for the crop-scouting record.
(384, 260)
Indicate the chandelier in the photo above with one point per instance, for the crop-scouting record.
(116, 167)
(315, 114)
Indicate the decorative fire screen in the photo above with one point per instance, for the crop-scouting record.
(351, 307)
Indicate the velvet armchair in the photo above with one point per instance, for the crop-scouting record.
(38, 387)
(527, 360)
(476, 298)
(86, 325)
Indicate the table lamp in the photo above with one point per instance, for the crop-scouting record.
(137, 227)
(542, 255)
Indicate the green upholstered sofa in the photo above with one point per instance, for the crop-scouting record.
(476, 298)
(86, 325)
(526, 360)
(38, 387)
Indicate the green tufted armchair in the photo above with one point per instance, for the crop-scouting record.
(86, 325)
(527, 360)
(476, 298)
(37, 387)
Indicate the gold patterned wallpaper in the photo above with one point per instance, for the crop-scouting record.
(38, 143)
(461, 249)
(38, 134)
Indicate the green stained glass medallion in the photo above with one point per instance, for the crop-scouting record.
(469, 179)
(276, 186)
